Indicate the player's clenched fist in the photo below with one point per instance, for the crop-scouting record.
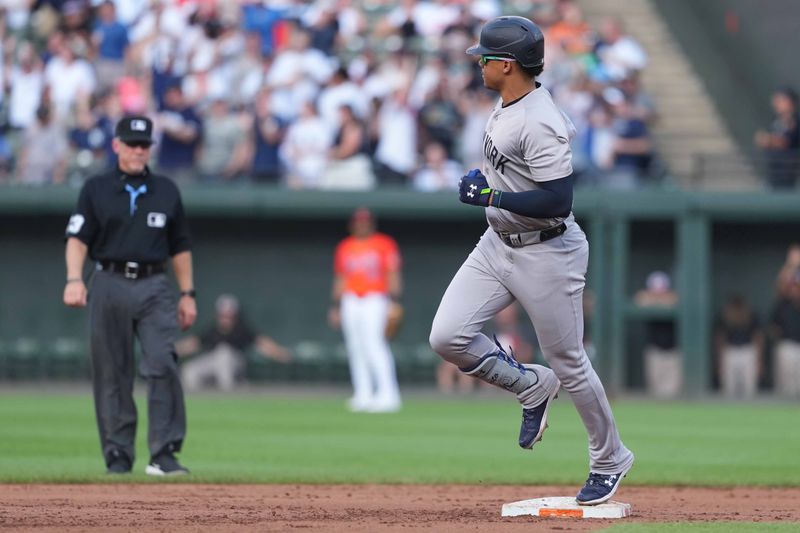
(474, 189)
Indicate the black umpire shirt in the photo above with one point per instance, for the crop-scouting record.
(121, 217)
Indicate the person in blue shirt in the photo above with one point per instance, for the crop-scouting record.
(110, 39)
(181, 128)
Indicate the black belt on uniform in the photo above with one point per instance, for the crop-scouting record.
(131, 269)
(518, 240)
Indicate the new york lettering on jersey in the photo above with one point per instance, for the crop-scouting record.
(493, 155)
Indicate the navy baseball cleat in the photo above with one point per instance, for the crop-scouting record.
(599, 488)
(534, 421)
(165, 465)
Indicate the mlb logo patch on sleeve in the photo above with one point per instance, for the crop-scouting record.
(156, 220)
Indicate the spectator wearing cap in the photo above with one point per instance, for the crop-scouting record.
(130, 222)
(781, 143)
(663, 366)
(223, 348)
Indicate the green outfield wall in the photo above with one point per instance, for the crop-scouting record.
(273, 249)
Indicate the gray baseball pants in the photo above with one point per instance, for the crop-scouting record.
(119, 310)
(548, 280)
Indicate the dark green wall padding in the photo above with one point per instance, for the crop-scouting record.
(273, 249)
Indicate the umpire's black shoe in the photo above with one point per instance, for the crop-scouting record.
(534, 421)
(119, 465)
(599, 488)
(165, 465)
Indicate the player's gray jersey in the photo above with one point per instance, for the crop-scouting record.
(525, 143)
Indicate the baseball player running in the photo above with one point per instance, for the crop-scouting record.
(533, 251)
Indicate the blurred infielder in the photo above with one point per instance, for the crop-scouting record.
(533, 251)
(366, 287)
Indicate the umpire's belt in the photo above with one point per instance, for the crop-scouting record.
(132, 269)
(518, 240)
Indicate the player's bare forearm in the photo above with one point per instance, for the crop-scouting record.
(75, 293)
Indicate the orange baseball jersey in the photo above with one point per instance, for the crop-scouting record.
(364, 263)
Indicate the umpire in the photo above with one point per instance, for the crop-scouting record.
(130, 221)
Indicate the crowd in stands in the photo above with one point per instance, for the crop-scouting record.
(334, 94)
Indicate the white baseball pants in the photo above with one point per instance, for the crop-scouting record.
(372, 369)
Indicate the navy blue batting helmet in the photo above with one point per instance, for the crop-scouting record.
(517, 37)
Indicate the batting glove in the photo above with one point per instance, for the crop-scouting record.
(474, 189)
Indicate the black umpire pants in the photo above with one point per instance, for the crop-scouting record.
(119, 310)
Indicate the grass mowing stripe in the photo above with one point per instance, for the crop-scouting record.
(277, 439)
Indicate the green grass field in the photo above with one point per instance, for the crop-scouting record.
(296, 438)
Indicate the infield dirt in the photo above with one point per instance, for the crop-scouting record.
(127, 507)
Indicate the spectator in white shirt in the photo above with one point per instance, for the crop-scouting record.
(396, 152)
(26, 83)
(619, 53)
(438, 173)
(338, 92)
(305, 149)
(69, 78)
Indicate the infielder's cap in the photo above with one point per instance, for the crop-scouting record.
(135, 129)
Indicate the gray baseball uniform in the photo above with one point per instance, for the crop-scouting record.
(526, 143)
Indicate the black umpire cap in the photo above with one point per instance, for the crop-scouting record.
(135, 129)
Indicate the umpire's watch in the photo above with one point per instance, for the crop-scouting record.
(191, 293)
